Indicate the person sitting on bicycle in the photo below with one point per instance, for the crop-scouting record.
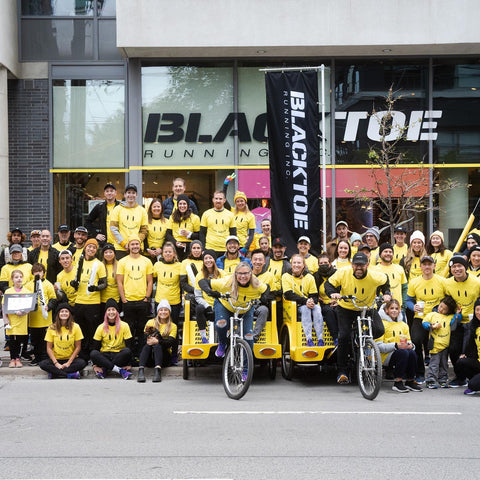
(365, 285)
(242, 287)
(299, 286)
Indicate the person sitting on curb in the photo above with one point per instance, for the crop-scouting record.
(112, 344)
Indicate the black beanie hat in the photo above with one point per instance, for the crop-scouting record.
(111, 302)
(458, 259)
(60, 306)
(184, 198)
(384, 246)
(210, 252)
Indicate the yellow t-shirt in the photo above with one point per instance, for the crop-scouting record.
(245, 294)
(183, 270)
(192, 224)
(43, 258)
(134, 271)
(218, 225)
(267, 278)
(19, 324)
(110, 237)
(396, 277)
(163, 327)
(168, 282)
(276, 268)
(129, 220)
(393, 330)
(207, 298)
(35, 318)
(245, 221)
(59, 247)
(415, 270)
(63, 344)
(6, 273)
(441, 263)
(230, 265)
(464, 293)
(341, 263)
(364, 289)
(399, 253)
(429, 291)
(441, 336)
(256, 239)
(64, 278)
(156, 232)
(112, 342)
(83, 296)
(304, 286)
(76, 256)
(112, 289)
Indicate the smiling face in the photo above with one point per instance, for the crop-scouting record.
(435, 241)
(359, 270)
(243, 275)
(400, 238)
(371, 240)
(208, 261)
(471, 242)
(298, 264)
(196, 250)
(64, 315)
(343, 250)
(65, 260)
(258, 261)
(131, 196)
(387, 255)
(240, 203)
(134, 246)
(182, 206)
(266, 226)
(163, 314)
(110, 194)
(168, 253)
(458, 271)
(427, 268)
(156, 208)
(109, 255)
(475, 259)
(178, 188)
(278, 252)
(417, 246)
(111, 314)
(17, 279)
(90, 251)
(303, 247)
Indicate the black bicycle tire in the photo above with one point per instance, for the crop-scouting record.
(369, 383)
(226, 374)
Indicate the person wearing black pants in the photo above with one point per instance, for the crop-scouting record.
(112, 344)
(160, 342)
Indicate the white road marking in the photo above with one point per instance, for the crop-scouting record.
(304, 412)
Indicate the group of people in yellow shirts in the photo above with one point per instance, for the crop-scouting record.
(113, 295)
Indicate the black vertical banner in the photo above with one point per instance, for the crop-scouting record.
(293, 142)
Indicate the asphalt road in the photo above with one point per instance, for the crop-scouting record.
(307, 428)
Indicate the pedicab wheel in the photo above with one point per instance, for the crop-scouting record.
(272, 369)
(185, 369)
(287, 363)
(237, 370)
(369, 374)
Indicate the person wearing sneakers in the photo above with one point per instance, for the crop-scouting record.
(64, 341)
(243, 287)
(468, 365)
(112, 344)
(299, 286)
(396, 348)
(365, 284)
(16, 324)
(160, 342)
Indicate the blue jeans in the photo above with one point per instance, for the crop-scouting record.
(222, 323)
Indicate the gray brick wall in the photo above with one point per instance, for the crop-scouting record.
(28, 145)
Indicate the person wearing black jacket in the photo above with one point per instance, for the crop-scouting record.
(324, 272)
(468, 364)
(47, 256)
(98, 220)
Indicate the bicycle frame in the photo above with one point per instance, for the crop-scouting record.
(236, 324)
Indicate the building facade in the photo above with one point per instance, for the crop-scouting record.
(142, 92)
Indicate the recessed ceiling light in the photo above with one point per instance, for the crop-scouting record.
(386, 50)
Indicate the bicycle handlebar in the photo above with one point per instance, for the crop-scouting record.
(239, 309)
(378, 300)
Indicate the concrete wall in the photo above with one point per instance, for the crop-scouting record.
(282, 28)
(8, 36)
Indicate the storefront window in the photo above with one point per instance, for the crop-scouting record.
(75, 194)
(88, 123)
(187, 116)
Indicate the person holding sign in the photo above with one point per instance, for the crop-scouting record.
(16, 324)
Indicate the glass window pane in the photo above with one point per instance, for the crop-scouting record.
(107, 32)
(57, 40)
(88, 123)
(187, 116)
(360, 89)
(106, 8)
(456, 94)
(57, 8)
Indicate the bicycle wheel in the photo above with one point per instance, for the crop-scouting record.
(237, 370)
(185, 369)
(287, 363)
(369, 373)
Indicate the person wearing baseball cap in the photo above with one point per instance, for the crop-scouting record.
(63, 238)
(15, 237)
(341, 233)
(128, 218)
(436, 249)
(303, 245)
(98, 220)
(365, 284)
(232, 256)
(400, 248)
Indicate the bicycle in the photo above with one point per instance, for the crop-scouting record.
(237, 369)
(365, 352)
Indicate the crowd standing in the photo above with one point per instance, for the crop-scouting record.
(111, 292)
